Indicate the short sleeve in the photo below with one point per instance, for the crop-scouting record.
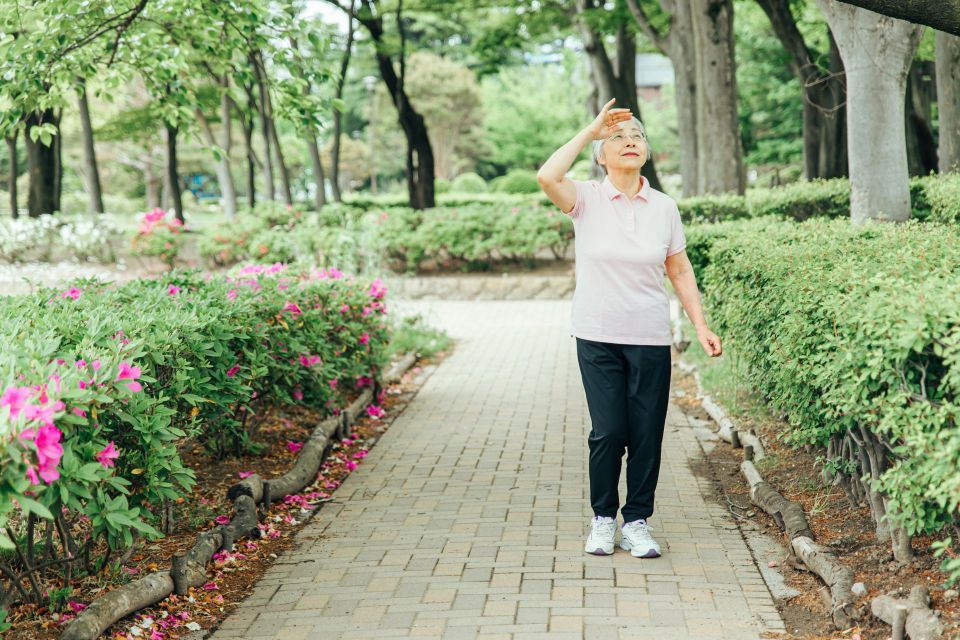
(678, 241)
(578, 206)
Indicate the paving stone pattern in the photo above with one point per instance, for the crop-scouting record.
(468, 518)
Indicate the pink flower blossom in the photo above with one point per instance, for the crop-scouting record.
(333, 383)
(173, 290)
(297, 395)
(210, 586)
(232, 294)
(76, 606)
(363, 381)
(156, 635)
(375, 411)
(309, 360)
(334, 273)
(377, 288)
(46, 439)
(360, 455)
(344, 308)
(107, 455)
(80, 412)
(365, 338)
(293, 447)
(221, 519)
(367, 311)
(351, 465)
(244, 474)
(32, 474)
(331, 484)
(96, 365)
(73, 293)
(16, 398)
(129, 373)
(232, 371)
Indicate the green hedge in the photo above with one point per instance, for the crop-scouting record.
(934, 197)
(842, 327)
(140, 367)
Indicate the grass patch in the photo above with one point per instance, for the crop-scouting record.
(411, 333)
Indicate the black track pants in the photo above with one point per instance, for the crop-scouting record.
(627, 388)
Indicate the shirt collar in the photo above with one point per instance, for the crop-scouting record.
(613, 193)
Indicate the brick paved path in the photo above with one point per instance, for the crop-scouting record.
(468, 518)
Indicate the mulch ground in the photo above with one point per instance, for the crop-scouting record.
(231, 576)
(850, 532)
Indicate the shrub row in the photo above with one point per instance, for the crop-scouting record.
(107, 382)
(23, 239)
(934, 198)
(470, 238)
(844, 327)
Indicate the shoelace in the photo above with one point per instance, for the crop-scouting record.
(599, 524)
(642, 528)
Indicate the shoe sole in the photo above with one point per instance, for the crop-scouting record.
(599, 552)
(651, 553)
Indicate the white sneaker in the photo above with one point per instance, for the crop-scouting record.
(635, 537)
(602, 532)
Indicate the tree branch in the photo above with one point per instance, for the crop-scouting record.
(658, 39)
(942, 15)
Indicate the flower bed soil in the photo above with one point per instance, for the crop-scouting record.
(233, 575)
(850, 532)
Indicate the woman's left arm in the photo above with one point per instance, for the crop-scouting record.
(681, 275)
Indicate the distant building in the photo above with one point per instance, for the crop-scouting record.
(653, 72)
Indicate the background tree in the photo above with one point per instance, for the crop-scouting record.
(948, 100)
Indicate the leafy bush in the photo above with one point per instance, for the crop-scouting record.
(941, 194)
(159, 236)
(106, 381)
(518, 181)
(846, 328)
(713, 208)
(802, 200)
(469, 183)
(48, 236)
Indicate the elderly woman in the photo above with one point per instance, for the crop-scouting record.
(626, 236)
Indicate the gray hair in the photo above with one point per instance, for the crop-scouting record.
(598, 144)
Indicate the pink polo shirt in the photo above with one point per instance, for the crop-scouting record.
(621, 245)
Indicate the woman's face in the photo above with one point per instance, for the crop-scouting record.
(626, 149)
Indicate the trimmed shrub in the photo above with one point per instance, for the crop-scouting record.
(518, 181)
(846, 328)
(469, 183)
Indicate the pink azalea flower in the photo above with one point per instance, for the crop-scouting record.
(244, 474)
(344, 308)
(360, 455)
(297, 394)
(107, 455)
(363, 381)
(81, 364)
(333, 383)
(16, 398)
(129, 373)
(293, 447)
(334, 273)
(232, 371)
(377, 288)
(221, 519)
(210, 586)
(293, 308)
(80, 412)
(156, 635)
(367, 311)
(32, 474)
(76, 606)
(96, 365)
(232, 294)
(365, 338)
(73, 293)
(173, 290)
(309, 360)
(375, 411)
(49, 451)
(331, 484)
(351, 465)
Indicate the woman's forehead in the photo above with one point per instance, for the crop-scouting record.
(629, 125)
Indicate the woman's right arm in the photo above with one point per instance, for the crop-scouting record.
(552, 175)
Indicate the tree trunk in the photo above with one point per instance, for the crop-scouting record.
(151, 182)
(921, 146)
(175, 199)
(619, 82)
(226, 144)
(247, 124)
(720, 154)
(281, 163)
(12, 179)
(420, 172)
(264, 128)
(89, 152)
(42, 166)
(948, 100)
(224, 175)
(57, 162)
(337, 115)
(319, 179)
(877, 52)
(833, 107)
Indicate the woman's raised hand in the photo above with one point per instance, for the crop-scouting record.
(607, 120)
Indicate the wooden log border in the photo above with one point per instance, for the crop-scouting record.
(787, 514)
(190, 569)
